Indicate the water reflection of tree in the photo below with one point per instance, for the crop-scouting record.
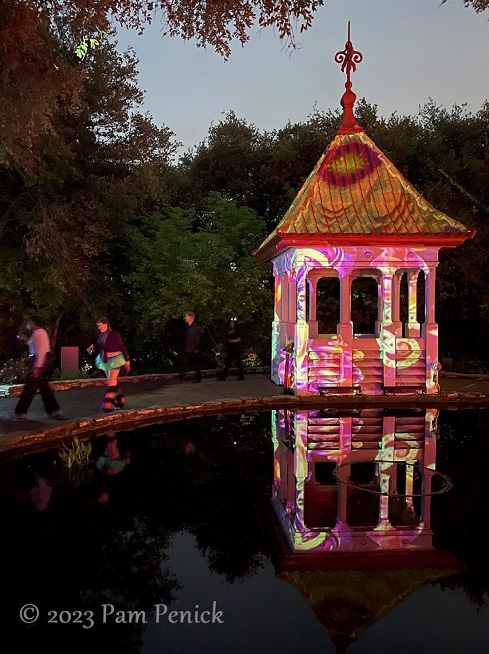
(80, 553)
(213, 492)
(460, 516)
(77, 555)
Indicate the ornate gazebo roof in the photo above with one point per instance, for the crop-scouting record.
(356, 195)
(348, 602)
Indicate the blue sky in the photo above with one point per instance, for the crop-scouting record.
(413, 50)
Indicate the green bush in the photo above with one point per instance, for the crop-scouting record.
(471, 366)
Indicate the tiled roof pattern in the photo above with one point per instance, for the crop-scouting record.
(355, 190)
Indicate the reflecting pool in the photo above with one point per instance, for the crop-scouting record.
(327, 531)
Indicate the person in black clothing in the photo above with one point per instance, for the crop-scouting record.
(233, 353)
(192, 346)
(37, 380)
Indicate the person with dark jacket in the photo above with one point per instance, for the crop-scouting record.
(111, 357)
(192, 359)
(40, 360)
(233, 351)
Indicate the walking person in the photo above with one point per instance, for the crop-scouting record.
(233, 351)
(111, 357)
(40, 359)
(192, 359)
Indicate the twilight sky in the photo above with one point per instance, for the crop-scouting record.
(413, 50)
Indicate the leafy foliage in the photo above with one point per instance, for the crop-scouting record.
(95, 218)
(182, 259)
(77, 453)
(214, 23)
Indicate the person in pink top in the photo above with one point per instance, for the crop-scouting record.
(40, 359)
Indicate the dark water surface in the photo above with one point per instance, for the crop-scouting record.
(168, 544)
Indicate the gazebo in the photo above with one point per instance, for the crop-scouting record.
(356, 216)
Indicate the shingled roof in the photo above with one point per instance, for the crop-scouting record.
(355, 194)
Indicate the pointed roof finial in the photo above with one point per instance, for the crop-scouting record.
(348, 58)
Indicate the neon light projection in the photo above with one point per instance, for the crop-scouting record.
(357, 216)
(378, 496)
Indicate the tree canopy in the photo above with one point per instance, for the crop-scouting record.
(214, 23)
(97, 218)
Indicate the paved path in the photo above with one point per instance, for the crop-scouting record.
(158, 400)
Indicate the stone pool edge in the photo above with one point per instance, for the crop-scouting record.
(127, 420)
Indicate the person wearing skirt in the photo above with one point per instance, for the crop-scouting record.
(110, 357)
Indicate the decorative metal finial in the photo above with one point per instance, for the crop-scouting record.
(348, 58)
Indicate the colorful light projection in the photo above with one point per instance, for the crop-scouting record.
(388, 508)
(396, 359)
(357, 215)
(348, 163)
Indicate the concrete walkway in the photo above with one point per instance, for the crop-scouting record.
(160, 398)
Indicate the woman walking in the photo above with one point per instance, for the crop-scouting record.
(111, 357)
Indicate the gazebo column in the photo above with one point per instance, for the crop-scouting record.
(343, 477)
(387, 333)
(289, 484)
(409, 484)
(380, 308)
(301, 471)
(413, 327)
(345, 331)
(345, 326)
(430, 329)
(428, 463)
(301, 334)
(386, 467)
(291, 299)
(277, 328)
(279, 325)
(313, 324)
(396, 305)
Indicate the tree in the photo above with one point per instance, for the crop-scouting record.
(214, 23)
(28, 107)
(478, 5)
(196, 259)
(101, 162)
(262, 171)
(211, 23)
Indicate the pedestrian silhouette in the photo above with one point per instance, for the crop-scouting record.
(233, 351)
(37, 380)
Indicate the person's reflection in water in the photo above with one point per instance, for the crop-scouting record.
(189, 448)
(111, 463)
(40, 494)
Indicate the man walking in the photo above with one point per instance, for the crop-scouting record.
(40, 358)
(192, 345)
(233, 340)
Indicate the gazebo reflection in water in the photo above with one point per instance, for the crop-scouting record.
(352, 494)
(356, 481)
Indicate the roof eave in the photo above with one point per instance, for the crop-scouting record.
(280, 242)
(270, 249)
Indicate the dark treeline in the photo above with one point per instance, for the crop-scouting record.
(97, 217)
